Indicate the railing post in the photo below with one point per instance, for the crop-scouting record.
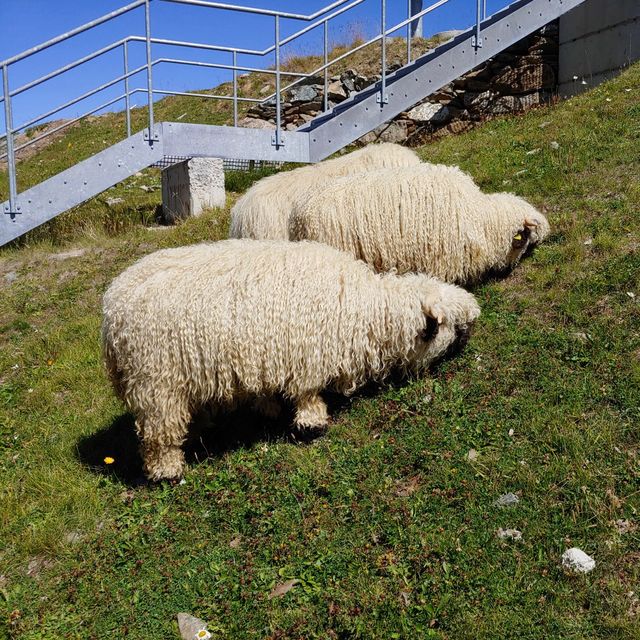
(477, 40)
(383, 98)
(277, 138)
(150, 136)
(235, 89)
(409, 14)
(12, 209)
(126, 86)
(484, 9)
(325, 38)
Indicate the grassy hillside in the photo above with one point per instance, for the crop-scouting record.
(388, 523)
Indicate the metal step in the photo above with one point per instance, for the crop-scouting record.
(321, 137)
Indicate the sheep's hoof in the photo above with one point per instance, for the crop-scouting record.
(308, 433)
(167, 465)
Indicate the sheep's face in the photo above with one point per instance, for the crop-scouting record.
(530, 232)
(449, 313)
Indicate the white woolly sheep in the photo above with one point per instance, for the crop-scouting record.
(429, 218)
(262, 213)
(223, 323)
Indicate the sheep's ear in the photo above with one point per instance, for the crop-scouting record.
(531, 223)
(433, 311)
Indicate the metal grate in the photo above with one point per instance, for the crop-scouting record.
(230, 164)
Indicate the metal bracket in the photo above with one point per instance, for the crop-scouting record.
(476, 42)
(277, 141)
(151, 138)
(382, 98)
(13, 214)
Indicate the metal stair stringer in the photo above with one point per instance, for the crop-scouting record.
(80, 182)
(362, 113)
(106, 168)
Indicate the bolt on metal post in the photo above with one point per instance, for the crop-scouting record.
(11, 158)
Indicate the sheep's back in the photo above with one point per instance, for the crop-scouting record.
(422, 218)
(241, 315)
(262, 213)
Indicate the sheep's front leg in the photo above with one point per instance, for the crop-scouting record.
(161, 439)
(311, 412)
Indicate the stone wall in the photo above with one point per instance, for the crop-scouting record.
(521, 77)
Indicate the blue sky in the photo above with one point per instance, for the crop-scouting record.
(26, 23)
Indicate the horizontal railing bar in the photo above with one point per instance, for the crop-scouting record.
(230, 67)
(68, 67)
(195, 45)
(195, 95)
(67, 123)
(79, 99)
(73, 32)
(256, 10)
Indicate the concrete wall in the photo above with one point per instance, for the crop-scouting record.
(597, 39)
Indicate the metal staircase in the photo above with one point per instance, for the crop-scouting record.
(327, 133)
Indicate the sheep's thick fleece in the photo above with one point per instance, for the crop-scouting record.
(221, 323)
(262, 213)
(427, 218)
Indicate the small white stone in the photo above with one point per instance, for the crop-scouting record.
(472, 455)
(588, 241)
(608, 99)
(577, 560)
(533, 151)
(511, 432)
(507, 500)
(509, 534)
(183, 481)
(190, 626)
(554, 145)
(631, 294)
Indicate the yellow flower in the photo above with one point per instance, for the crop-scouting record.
(109, 460)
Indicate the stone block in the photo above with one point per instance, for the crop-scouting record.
(191, 186)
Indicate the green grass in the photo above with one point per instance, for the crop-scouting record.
(387, 525)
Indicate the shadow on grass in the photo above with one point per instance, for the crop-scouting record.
(208, 437)
(211, 436)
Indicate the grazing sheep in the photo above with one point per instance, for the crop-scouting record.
(237, 320)
(430, 218)
(262, 213)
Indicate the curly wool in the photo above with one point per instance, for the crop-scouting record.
(221, 323)
(429, 218)
(262, 213)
